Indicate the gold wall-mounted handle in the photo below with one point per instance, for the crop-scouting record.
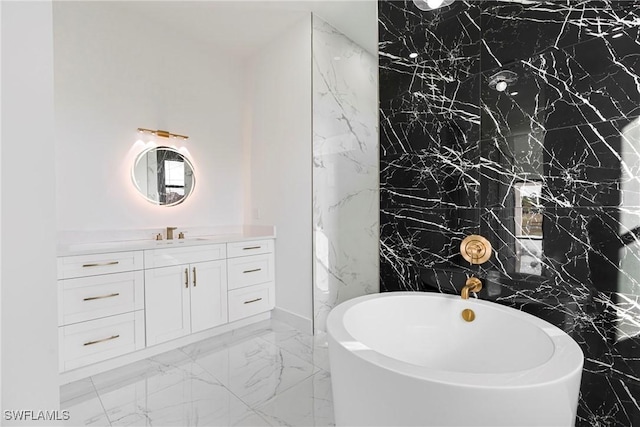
(102, 297)
(195, 281)
(101, 264)
(113, 337)
(475, 249)
(186, 277)
(468, 315)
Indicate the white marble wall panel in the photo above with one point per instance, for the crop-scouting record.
(345, 171)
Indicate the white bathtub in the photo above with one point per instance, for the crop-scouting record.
(408, 358)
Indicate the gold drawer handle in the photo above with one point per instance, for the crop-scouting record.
(113, 337)
(101, 264)
(252, 271)
(251, 247)
(253, 300)
(102, 297)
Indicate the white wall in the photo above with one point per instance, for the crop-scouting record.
(115, 72)
(29, 345)
(279, 148)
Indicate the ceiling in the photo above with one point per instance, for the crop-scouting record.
(243, 26)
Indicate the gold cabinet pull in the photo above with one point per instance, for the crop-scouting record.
(101, 264)
(186, 277)
(194, 277)
(113, 337)
(251, 247)
(253, 300)
(252, 271)
(102, 297)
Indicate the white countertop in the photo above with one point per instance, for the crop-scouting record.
(136, 245)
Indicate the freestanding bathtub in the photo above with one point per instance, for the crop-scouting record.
(409, 358)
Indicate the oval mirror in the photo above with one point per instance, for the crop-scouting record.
(163, 176)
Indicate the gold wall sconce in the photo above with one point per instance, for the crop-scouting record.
(163, 133)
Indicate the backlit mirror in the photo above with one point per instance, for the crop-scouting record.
(163, 176)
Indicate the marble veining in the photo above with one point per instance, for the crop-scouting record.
(548, 169)
(345, 171)
(248, 377)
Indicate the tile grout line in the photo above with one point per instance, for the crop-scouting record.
(264, 404)
(104, 410)
(311, 347)
(280, 349)
(252, 408)
(230, 391)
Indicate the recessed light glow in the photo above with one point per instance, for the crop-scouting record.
(501, 86)
(514, 93)
(429, 5)
(337, 58)
(615, 36)
(413, 55)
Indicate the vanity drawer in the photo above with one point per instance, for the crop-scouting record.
(254, 247)
(88, 298)
(166, 257)
(250, 270)
(245, 302)
(93, 265)
(96, 340)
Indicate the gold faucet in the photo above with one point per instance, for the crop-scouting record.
(170, 232)
(473, 284)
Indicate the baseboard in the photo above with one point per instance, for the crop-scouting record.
(300, 323)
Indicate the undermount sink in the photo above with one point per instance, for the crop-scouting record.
(137, 244)
(410, 350)
(188, 241)
(119, 245)
(171, 242)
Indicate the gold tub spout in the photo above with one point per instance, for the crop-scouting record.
(473, 284)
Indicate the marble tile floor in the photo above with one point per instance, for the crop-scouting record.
(266, 374)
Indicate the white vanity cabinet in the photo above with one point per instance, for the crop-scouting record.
(100, 307)
(183, 296)
(251, 268)
(114, 304)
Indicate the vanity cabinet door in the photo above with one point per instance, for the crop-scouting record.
(208, 294)
(167, 303)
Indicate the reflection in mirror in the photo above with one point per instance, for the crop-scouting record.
(528, 227)
(163, 176)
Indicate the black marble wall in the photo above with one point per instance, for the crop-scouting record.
(548, 169)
